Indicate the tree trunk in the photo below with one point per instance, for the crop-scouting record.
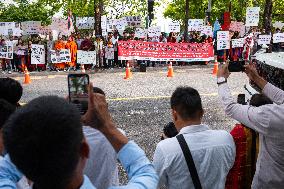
(186, 37)
(98, 13)
(267, 16)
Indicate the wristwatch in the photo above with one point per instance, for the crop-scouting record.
(221, 80)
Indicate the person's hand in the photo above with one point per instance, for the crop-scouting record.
(251, 72)
(223, 71)
(97, 115)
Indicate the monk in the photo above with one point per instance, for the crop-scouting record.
(72, 46)
(59, 44)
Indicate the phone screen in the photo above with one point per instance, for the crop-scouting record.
(236, 66)
(78, 91)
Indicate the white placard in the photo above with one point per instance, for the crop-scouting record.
(264, 39)
(109, 53)
(6, 51)
(207, 30)
(223, 35)
(86, 57)
(121, 23)
(195, 24)
(278, 24)
(174, 27)
(38, 54)
(238, 42)
(85, 22)
(278, 38)
(61, 56)
(252, 16)
(140, 33)
(154, 31)
(104, 22)
(31, 27)
(60, 25)
(134, 21)
(223, 44)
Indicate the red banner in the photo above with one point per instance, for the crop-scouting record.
(140, 50)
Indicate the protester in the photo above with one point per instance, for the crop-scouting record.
(59, 45)
(58, 159)
(72, 46)
(213, 151)
(267, 120)
(11, 90)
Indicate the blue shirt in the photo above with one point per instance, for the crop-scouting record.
(140, 171)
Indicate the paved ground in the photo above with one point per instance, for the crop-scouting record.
(140, 106)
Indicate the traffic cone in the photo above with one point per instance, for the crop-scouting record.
(128, 73)
(27, 76)
(215, 70)
(83, 68)
(170, 70)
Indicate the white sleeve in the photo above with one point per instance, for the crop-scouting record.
(160, 165)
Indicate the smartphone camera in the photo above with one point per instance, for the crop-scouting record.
(237, 66)
(78, 91)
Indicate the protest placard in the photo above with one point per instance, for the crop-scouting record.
(223, 44)
(60, 25)
(154, 31)
(238, 42)
(134, 21)
(140, 33)
(31, 27)
(104, 22)
(223, 35)
(109, 53)
(85, 22)
(121, 23)
(264, 39)
(195, 24)
(278, 38)
(86, 57)
(37, 54)
(61, 56)
(236, 26)
(174, 26)
(6, 51)
(252, 16)
(207, 30)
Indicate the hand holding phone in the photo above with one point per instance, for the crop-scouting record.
(237, 66)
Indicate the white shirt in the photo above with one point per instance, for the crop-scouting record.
(213, 152)
(268, 121)
(101, 167)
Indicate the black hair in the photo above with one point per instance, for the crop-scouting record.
(259, 100)
(10, 90)
(6, 109)
(187, 102)
(98, 90)
(43, 139)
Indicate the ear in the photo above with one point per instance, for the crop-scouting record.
(85, 149)
(174, 114)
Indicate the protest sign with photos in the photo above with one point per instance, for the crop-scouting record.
(174, 27)
(154, 31)
(264, 39)
(278, 38)
(60, 56)
(6, 51)
(38, 54)
(195, 24)
(207, 30)
(86, 57)
(238, 42)
(252, 16)
(223, 44)
(109, 53)
(140, 33)
(85, 22)
(223, 35)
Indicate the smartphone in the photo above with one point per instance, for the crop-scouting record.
(237, 66)
(78, 91)
(242, 99)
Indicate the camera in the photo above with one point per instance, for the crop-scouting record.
(169, 130)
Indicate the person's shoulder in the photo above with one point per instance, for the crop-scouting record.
(168, 146)
(220, 137)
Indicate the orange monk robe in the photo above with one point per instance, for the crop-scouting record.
(73, 51)
(58, 46)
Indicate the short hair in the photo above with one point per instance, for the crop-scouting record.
(10, 90)
(98, 90)
(187, 102)
(43, 139)
(259, 100)
(6, 109)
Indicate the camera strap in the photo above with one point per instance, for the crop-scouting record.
(189, 161)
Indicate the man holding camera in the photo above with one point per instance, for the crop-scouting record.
(267, 120)
(212, 151)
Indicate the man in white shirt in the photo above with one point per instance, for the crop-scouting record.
(267, 120)
(213, 151)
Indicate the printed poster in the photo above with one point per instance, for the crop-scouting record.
(31, 27)
(6, 51)
(195, 24)
(140, 33)
(223, 35)
(85, 22)
(109, 53)
(278, 38)
(133, 21)
(86, 57)
(207, 30)
(223, 44)
(252, 16)
(264, 39)
(38, 54)
(154, 31)
(236, 26)
(174, 27)
(238, 42)
(61, 56)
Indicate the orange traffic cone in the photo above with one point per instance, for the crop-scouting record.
(128, 73)
(215, 70)
(83, 68)
(170, 70)
(27, 76)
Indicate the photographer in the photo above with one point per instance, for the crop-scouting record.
(267, 120)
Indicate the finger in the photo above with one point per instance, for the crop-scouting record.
(91, 95)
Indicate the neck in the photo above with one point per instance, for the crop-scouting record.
(76, 182)
(187, 123)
